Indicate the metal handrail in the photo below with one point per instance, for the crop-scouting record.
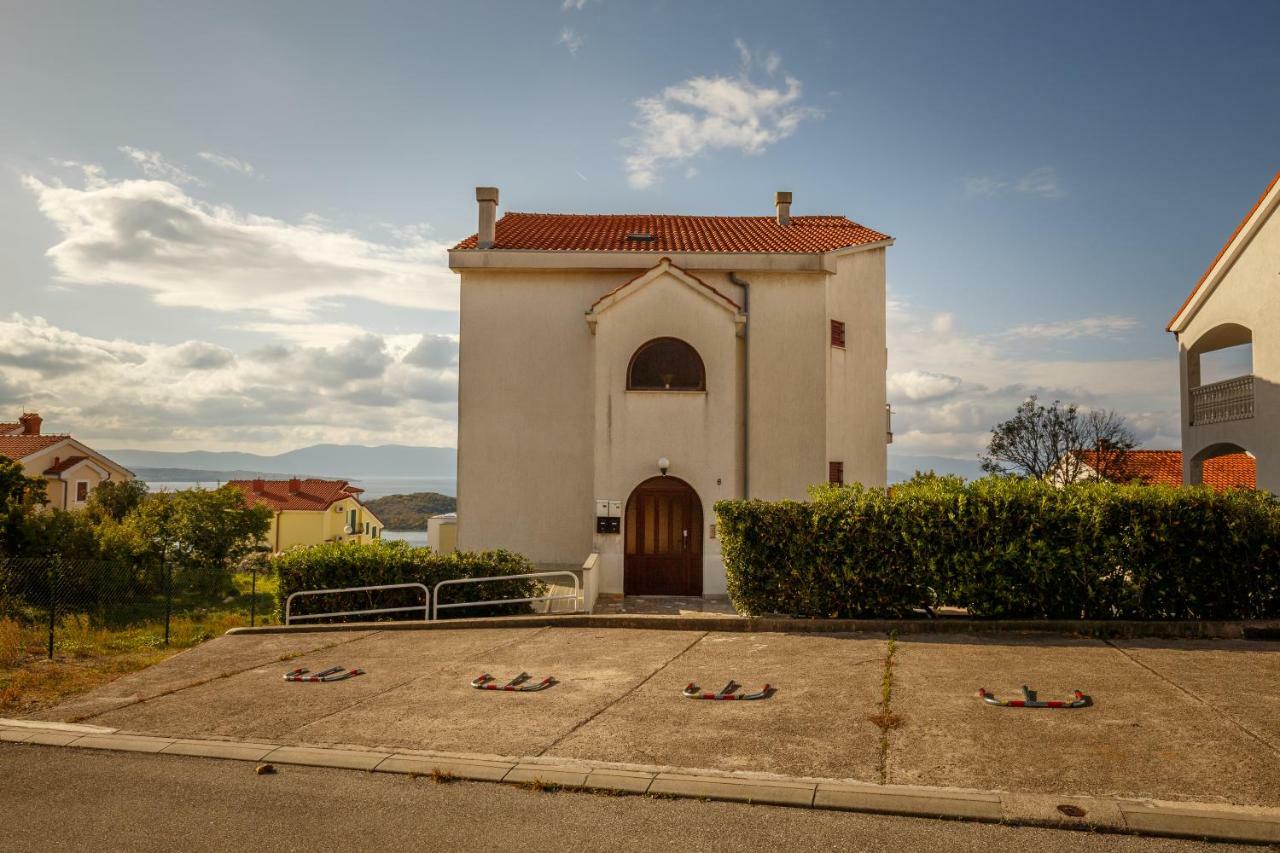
(575, 595)
(425, 606)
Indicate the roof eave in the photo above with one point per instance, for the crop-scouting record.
(569, 259)
(1236, 243)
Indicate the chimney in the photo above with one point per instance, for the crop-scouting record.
(295, 486)
(487, 197)
(259, 485)
(30, 423)
(782, 201)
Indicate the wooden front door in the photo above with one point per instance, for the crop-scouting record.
(664, 539)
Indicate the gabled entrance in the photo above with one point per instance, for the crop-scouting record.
(663, 539)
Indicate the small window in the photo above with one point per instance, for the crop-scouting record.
(82, 491)
(835, 473)
(666, 364)
(837, 333)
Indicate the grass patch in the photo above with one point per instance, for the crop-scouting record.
(90, 651)
(442, 777)
(885, 719)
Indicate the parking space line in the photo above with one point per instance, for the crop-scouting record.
(412, 679)
(1217, 711)
(218, 677)
(641, 683)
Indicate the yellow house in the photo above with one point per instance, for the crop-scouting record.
(70, 469)
(308, 512)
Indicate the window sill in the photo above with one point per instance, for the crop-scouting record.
(682, 392)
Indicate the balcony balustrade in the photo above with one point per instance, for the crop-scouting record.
(1218, 402)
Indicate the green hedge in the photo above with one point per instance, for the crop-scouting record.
(1003, 547)
(335, 565)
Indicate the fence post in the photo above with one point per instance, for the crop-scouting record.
(253, 596)
(53, 597)
(167, 568)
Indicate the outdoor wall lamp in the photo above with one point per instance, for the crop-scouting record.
(663, 464)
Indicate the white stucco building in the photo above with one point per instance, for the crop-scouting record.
(1235, 307)
(620, 374)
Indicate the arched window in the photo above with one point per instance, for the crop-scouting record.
(666, 364)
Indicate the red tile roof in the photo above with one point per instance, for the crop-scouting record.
(1164, 468)
(18, 446)
(10, 427)
(311, 494)
(63, 464)
(572, 232)
(1223, 251)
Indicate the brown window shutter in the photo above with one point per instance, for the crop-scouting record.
(837, 333)
(835, 473)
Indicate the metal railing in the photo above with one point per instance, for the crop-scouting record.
(1217, 402)
(575, 595)
(425, 606)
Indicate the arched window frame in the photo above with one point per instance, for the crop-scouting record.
(697, 357)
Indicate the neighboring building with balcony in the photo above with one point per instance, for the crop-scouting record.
(1228, 334)
(308, 512)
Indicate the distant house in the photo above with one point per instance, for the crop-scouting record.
(1164, 468)
(1234, 307)
(619, 374)
(71, 470)
(308, 512)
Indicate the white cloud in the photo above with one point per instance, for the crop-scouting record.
(1085, 327)
(1042, 183)
(706, 114)
(356, 389)
(570, 40)
(575, 5)
(919, 385)
(153, 165)
(153, 235)
(949, 387)
(231, 164)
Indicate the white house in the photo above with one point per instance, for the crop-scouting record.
(1235, 307)
(619, 374)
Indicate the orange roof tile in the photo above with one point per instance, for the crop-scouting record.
(18, 446)
(1222, 251)
(1164, 468)
(573, 232)
(311, 494)
(63, 464)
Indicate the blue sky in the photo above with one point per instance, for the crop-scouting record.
(224, 224)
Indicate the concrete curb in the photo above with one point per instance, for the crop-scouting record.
(1206, 821)
(1099, 628)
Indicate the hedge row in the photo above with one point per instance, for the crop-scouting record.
(1004, 547)
(336, 565)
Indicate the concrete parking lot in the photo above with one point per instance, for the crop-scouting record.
(1194, 720)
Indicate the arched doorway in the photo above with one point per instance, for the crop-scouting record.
(663, 539)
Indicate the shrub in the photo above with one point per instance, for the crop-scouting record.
(334, 565)
(1004, 547)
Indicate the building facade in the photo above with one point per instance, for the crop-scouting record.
(70, 469)
(309, 512)
(621, 374)
(1235, 306)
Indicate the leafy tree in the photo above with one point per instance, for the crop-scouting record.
(20, 497)
(203, 534)
(115, 499)
(1041, 441)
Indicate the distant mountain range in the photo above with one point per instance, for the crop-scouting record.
(902, 467)
(319, 460)
(352, 461)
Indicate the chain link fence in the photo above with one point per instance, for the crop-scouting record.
(66, 608)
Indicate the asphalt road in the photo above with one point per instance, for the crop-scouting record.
(64, 799)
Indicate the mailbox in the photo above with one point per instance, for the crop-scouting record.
(608, 516)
